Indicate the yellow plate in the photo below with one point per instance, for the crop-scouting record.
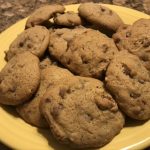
(17, 134)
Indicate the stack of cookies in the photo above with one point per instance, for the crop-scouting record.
(79, 74)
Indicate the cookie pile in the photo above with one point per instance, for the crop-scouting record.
(79, 74)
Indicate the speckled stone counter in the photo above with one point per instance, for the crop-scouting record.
(12, 11)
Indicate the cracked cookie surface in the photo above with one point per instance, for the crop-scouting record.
(29, 111)
(68, 19)
(34, 40)
(100, 15)
(129, 82)
(86, 54)
(19, 79)
(81, 113)
(43, 14)
(136, 40)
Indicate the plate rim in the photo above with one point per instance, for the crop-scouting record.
(142, 145)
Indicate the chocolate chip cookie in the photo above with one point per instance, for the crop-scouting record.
(43, 14)
(129, 81)
(81, 113)
(19, 79)
(29, 111)
(87, 54)
(100, 15)
(136, 40)
(68, 19)
(35, 40)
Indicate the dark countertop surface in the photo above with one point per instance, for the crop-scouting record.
(12, 11)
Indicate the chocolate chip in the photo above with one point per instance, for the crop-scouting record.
(29, 45)
(145, 58)
(124, 27)
(88, 117)
(47, 100)
(102, 9)
(105, 48)
(146, 44)
(144, 102)
(117, 40)
(9, 70)
(21, 44)
(135, 95)
(68, 61)
(84, 60)
(127, 70)
(56, 110)
(62, 93)
(1, 81)
(128, 34)
(68, 90)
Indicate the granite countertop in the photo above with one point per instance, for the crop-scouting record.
(12, 11)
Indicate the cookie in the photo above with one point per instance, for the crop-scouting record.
(59, 38)
(136, 40)
(129, 82)
(29, 111)
(100, 16)
(35, 40)
(81, 113)
(43, 14)
(87, 54)
(19, 79)
(68, 19)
